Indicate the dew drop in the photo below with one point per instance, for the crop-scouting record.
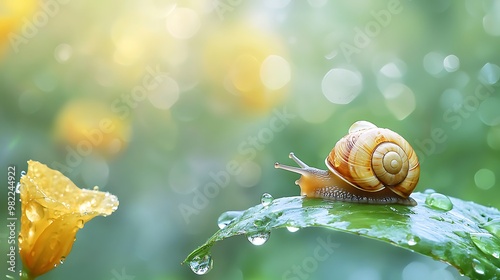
(23, 173)
(429, 191)
(292, 228)
(266, 199)
(478, 266)
(439, 201)
(201, 264)
(228, 217)
(412, 240)
(23, 274)
(487, 243)
(96, 188)
(492, 226)
(20, 239)
(80, 223)
(18, 186)
(362, 231)
(258, 238)
(34, 211)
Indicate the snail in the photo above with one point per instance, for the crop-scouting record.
(368, 165)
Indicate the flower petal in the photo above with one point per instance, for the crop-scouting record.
(53, 210)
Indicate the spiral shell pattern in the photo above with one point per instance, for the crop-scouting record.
(372, 158)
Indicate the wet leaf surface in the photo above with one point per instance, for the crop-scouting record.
(466, 236)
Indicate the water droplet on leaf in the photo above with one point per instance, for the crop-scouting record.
(487, 243)
(439, 201)
(429, 191)
(258, 238)
(478, 266)
(228, 217)
(412, 240)
(492, 226)
(201, 264)
(292, 229)
(266, 199)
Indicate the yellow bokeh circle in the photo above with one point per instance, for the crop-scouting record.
(88, 126)
(236, 66)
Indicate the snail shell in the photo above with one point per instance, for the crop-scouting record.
(368, 165)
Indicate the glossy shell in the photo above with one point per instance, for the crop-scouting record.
(372, 158)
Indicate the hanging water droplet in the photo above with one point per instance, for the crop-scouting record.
(258, 238)
(439, 201)
(487, 243)
(23, 274)
(23, 172)
(228, 217)
(201, 264)
(80, 223)
(292, 228)
(478, 266)
(18, 185)
(266, 199)
(63, 258)
(412, 240)
(20, 239)
(492, 226)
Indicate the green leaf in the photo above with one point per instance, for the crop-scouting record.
(467, 236)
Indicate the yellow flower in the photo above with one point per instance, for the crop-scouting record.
(53, 210)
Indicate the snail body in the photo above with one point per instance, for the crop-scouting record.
(368, 165)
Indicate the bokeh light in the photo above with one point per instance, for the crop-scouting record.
(89, 126)
(451, 63)
(183, 23)
(341, 86)
(484, 179)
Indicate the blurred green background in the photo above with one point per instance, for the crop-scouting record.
(200, 98)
